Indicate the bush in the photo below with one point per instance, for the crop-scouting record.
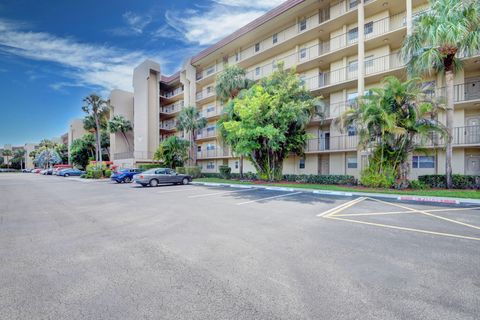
(225, 172)
(459, 181)
(320, 179)
(418, 185)
(83, 176)
(180, 170)
(195, 171)
(372, 178)
(149, 166)
(108, 173)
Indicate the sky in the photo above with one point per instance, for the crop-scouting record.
(53, 53)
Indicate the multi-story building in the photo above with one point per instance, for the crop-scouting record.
(75, 131)
(340, 49)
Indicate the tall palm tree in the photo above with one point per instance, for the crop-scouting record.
(119, 123)
(6, 154)
(450, 28)
(19, 155)
(189, 120)
(392, 122)
(95, 106)
(229, 84)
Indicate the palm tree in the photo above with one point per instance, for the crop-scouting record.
(172, 152)
(95, 107)
(7, 153)
(19, 155)
(119, 123)
(228, 86)
(450, 28)
(393, 122)
(189, 120)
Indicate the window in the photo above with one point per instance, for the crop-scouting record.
(423, 162)
(274, 65)
(210, 70)
(161, 171)
(301, 163)
(352, 163)
(210, 108)
(352, 4)
(352, 34)
(302, 79)
(302, 25)
(210, 129)
(257, 71)
(303, 53)
(237, 56)
(257, 46)
(368, 27)
(275, 38)
(199, 148)
(210, 146)
(211, 165)
(236, 164)
(351, 131)
(353, 66)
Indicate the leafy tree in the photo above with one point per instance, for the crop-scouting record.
(440, 35)
(47, 143)
(82, 150)
(392, 121)
(48, 157)
(105, 143)
(1, 160)
(7, 154)
(229, 84)
(189, 120)
(19, 157)
(120, 124)
(172, 152)
(62, 150)
(270, 120)
(96, 108)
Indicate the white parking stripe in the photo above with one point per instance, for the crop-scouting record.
(179, 190)
(218, 193)
(279, 196)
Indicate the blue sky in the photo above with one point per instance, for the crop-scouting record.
(53, 52)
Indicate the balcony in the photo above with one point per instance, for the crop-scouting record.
(215, 153)
(143, 155)
(168, 125)
(205, 94)
(211, 112)
(172, 108)
(171, 94)
(335, 143)
(462, 136)
(463, 92)
(207, 73)
(206, 134)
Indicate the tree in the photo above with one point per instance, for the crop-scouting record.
(391, 123)
(82, 150)
(440, 35)
(48, 157)
(229, 84)
(95, 107)
(270, 120)
(172, 152)
(189, 120)
(19, 157)
(7, 154)
(105, 143)
(62, 150)
(120, 124)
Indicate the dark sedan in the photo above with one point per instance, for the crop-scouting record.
(154, 177)
(124, 175)
(70, 172)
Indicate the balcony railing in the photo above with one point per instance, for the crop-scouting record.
(466, 135)
(462, 92)
(205, 94)
(123, 155)
(206, 113)
(170, 94)
(383, 64)
(168, 125)
(209, 71)
(172, 108)
(215, 153)
(205, 133)
(335, 143)
(133, 155)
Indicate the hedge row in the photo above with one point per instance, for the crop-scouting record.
(195, 172)
(459, 181)
(302, 178)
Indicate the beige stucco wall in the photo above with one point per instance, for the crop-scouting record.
(121, 104)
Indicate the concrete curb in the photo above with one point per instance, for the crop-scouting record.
(398, 197)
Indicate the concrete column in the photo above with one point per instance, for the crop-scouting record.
(361, 49)
(409, 17)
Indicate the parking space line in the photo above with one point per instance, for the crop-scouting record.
(218, 193)
(397, 212)
(428, 214)
(268, 198)
(179, 189)
(406, 229)
(341, 207)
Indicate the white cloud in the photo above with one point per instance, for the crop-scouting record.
(85, 64)
(207, 26)
(136, 24)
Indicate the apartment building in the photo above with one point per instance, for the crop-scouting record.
(340, 50)
(75, 131)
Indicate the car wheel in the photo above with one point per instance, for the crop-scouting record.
(118, 181)
(127, 180)
(153, 183)
(66, 175)
(185, 181)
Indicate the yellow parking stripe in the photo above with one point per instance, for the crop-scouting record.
(408, 211)
(406, 229)
(340, 207)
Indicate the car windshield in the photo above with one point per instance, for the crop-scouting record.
(125, 170)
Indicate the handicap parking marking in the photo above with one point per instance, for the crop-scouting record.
(334, 214)
(268, 198)
(220, 193)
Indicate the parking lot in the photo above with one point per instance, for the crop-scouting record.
(73, 249)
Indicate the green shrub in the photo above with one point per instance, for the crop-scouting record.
(149, 166)
(418, 185)
(459, 181)
(195, 171)
(108, 173)
(225, 172)
(83, 176)
(320, 179)
(180, 170)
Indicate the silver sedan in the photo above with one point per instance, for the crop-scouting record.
(154, 177)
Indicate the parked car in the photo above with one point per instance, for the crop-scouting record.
(70, 172)
(59, 167)
(124, 175)
(37, 170)
(154, 177)
(47, 172)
